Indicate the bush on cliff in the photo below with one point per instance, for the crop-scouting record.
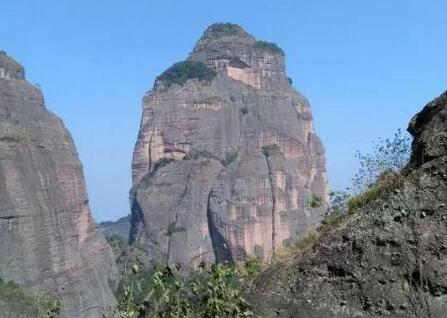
(181, 72)
(269, 46)
(16, 302)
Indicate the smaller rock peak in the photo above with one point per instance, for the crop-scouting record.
(10, 68)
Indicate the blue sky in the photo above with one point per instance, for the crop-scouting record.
(366, 66)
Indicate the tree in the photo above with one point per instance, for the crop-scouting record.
(389, 155)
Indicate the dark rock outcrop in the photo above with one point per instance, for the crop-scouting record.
(227, 159)
(389, 259)
(49, 241)
(120, 228)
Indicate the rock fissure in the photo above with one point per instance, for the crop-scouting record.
(272, 190)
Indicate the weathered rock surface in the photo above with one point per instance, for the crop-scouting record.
(48, 238)
(226, 167)
(390, 259)
(120, 227)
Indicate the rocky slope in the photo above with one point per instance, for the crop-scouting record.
(48, 238)
(389, 258)
(227, 162)
(120, 227)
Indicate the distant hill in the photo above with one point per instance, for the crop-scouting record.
(121, 228)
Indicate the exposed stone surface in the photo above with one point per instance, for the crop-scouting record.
(120, 227)
(390, 259)
(48, 238)
(226, 167)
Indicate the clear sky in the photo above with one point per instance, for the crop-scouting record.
(366, 66)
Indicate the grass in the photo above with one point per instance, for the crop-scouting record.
(181, 72)
(387, 183)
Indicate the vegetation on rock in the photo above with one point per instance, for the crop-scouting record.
(218, 30)
(181, 72)
(16, 302)
(269, 46)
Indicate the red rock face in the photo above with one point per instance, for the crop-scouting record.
(49, 240)
(244, 159)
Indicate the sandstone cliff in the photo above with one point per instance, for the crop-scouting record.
(227, 162)
(389, 258)
(48, 238)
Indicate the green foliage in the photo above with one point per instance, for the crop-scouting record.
(338, 201)
(181, 72)
(22, 304)
(388, 182)
(214, 292)
(116, 241)
(229, 158)
(244, 111)
(269, 46)
(174, 228)
(290, 80)
(48, 307)
(218, 30)
(270, 150)
(288, 252)
(315, 201)
(2, 52)
(252, 266)
(388, 155)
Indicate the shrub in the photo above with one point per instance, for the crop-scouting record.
(290, 80)
(174, 228)
(18, 302)
(181, 72)
(389, 155)
(244, 110)
(218, 30)
(214, 292)
(269, 46)
(388, 182)
(116, 241)
(229, 158)
(338, 201)
(288, 252)
(270, 150)
(315, 201)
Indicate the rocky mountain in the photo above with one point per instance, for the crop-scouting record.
(120, 227)
(389, 257)
(227, 162)
(49, 241)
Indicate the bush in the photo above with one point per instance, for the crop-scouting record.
(288, 252)
(181, 72)
(269, 46)
(18, 302)
(218, 30)
(173, 228)
(270, 150)
(116, 241)
(244, 110)
(315, 201)
(389, 155)
(338, 202)
(214, 292)
(388, 182)
(229, 158)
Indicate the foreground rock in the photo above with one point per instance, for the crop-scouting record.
(389, 259)
(48, 239)
(227, 162)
